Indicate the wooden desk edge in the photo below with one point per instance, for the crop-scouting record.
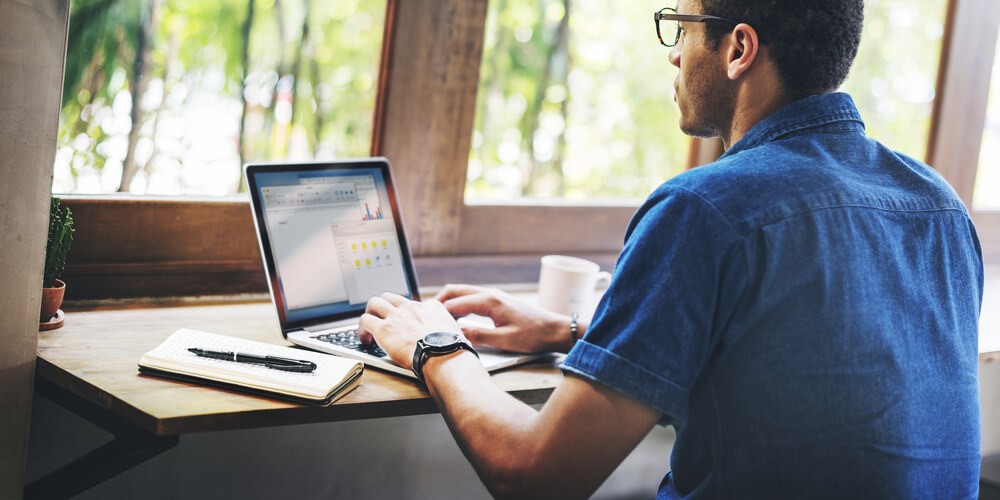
(300, 415)
(90, 402)
(111, 412)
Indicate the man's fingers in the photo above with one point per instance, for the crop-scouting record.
(481, 303)
(393, 298)
(378, 306)
(452, 291)
(385, 303)
(494, 337)
(366, 325)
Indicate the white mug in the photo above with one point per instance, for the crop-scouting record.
(566, 285)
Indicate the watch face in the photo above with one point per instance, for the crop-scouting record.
(440, 339)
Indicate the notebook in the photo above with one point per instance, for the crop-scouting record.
(331, 236)
(331, 378)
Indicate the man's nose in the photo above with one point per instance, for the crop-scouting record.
(675, 55)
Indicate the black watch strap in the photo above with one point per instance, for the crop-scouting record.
(437, 344)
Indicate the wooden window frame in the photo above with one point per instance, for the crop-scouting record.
(424, 115)
(959, 115)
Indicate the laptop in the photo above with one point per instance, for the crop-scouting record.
(331, 237)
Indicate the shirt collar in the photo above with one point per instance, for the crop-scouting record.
(810, 112)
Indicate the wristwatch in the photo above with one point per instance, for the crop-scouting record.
(436, 344)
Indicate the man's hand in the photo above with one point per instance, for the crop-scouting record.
(397, 323)
(520, 327)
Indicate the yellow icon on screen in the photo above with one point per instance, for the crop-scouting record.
(354, 246)
(384, 244)
(368, 262)
(364, 245)
(357, 263)
(374, 245)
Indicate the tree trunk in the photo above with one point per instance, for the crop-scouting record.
(494, 83)
(303, 51)
(244, 72)
(318, 118)
(556, 71)
(564, 61)
(137, 89)
(281, 70)
(169, 63)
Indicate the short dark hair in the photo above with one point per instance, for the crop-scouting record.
(812, 42)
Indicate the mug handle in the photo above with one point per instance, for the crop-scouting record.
(603, 280)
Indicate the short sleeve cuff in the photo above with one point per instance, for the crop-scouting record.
(607, 368)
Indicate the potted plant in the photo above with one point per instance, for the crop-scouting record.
(53, 289)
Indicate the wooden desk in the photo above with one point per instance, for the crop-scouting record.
(90, 366)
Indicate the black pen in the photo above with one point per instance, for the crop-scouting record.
(275, 362)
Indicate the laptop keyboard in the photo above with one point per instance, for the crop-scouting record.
(350, 340)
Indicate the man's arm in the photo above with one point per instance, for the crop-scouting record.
(567, 449)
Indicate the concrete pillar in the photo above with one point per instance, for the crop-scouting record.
(32, 55)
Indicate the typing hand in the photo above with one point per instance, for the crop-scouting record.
(397, 323)
(520, 327)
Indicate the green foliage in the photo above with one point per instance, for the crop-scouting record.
(101, 48)
(190, 139)
(100, 34)
(574, 99)
(59, 241)
(583, 114)
(619, 136)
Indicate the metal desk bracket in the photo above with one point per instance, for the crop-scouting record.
(130, 446)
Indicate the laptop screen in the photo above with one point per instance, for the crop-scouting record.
(331, 237)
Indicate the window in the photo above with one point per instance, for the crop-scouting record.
(987, 188)
(893, 78)
(961, 141)
(574, 101)
(425, 114)
(216, 84)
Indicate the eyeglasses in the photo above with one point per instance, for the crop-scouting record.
(673, 24)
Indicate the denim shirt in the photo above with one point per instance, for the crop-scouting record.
(804, 311)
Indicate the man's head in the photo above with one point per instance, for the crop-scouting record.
(811, 42)
(754, 56)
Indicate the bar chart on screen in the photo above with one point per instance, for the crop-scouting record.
(368, 201)
(369, 215)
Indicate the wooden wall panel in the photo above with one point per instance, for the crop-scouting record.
(160, 247)
(512, 229)
(139, 247)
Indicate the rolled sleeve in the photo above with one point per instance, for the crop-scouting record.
(656, 326)
(609, 369)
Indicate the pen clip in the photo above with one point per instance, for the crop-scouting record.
(290, 365)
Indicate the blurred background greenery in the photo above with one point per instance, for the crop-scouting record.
(217, 84)
(574, 100)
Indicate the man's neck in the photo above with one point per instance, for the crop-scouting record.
(746, 117)
(757, 97)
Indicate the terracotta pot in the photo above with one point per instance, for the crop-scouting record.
(52, 299)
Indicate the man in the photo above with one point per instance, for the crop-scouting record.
(804, 310)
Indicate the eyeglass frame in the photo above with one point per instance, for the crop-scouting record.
(690, 18)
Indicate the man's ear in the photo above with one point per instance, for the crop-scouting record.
(742, 50)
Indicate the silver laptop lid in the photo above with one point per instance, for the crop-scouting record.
(330, 236)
